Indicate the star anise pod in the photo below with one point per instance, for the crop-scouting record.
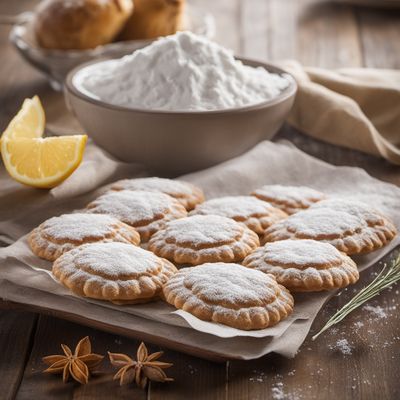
(145, 368)
(78, 364)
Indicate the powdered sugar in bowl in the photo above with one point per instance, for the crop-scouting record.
(181, 104)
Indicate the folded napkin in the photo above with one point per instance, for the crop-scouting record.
(356, 108)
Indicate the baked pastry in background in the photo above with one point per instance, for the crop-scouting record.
(79, 24)
(117, 272)
(203, 238)
(154, 18)
(351, 226)
(148, 212)
(304, 265)
(256, 214)
(229, 294)
(290, 199)
(186, 193)
(58, 235)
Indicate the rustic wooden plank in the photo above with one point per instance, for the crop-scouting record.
(16, 332)
(194, 379)
(327, 369)
(50, 333)
(380, 37)
(327, 35)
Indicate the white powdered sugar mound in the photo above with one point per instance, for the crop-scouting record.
(229, 284)
(325, 222)
(203, 229)
(301, 252)
(290, 194)
(78, 226)
(180, 72)
(343, 346)
(113, 259)
(154, 184)
(133, 206)
(234, 206)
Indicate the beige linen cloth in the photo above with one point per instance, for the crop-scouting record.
(355, 107)
(26, 279)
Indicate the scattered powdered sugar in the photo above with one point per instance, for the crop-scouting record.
(301, 252)
(203, 229)
(343, 346)
(133, 207)
(321, 222)
(377, 311)
(230, 284)
(353, 207)
(234, 206)
(180, 72)
(78, 226)
(155, 184)
(114, 259)
(293, 196)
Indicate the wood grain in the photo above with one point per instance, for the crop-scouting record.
(316, 33)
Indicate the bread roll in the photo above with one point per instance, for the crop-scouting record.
(80, 24)
(154, 18)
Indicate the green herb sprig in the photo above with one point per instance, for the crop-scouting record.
(383, 280)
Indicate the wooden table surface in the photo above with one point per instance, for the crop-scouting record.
(316, 33)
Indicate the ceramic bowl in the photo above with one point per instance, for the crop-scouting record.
(55, 64)
(171, 143)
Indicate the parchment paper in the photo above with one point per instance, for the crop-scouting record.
(25, 278)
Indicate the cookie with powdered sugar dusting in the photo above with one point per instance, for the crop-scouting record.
(256, 214)
(290, 199)
(204, 238)
(116, 272)
(147, 212)
(58, 235)
(186, 193)
(351, 226)
(229, 294)
(304, 265)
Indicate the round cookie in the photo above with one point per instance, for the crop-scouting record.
(117, 272)
(304, 265)
(58, 235)
(204, 238)
(229, 294)
(256, 214)
(290, 199)
(146, 211)
(351, 226)
(186, 193)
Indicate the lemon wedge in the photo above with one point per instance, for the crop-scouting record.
(42, 162)
(28, 123)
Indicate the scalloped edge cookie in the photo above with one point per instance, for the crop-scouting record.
(50, 248)
(304, 265)
(258, 303)
(290, 199)
(127, 287)
(256, 214)
(189, 252)
(186, 193)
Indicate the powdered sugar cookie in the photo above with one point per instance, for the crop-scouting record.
(60, 234)
(304, 265)
(146, 211)
(187, 194)
(116, 272)
(256, 214)
(203, 238)
(290, 199)
(351, 226)
(229, 294)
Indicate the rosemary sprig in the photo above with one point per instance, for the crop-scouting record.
(384, 279)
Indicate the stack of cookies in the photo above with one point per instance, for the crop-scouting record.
(232, 260)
